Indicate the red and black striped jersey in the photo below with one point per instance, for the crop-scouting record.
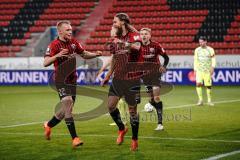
(123, 57)
(64, 67)
(151, 52)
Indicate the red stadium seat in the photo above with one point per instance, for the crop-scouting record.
(18, 42)
(76, 11)
(175, 29)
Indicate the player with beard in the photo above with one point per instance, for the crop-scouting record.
(122, 105)
(125, 49)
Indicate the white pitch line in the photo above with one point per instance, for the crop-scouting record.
(24, 92)
(180, 106)
(23, 124)
(191, 105)
(222, 155)
(141, 137)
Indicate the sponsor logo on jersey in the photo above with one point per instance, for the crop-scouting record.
(148, 56)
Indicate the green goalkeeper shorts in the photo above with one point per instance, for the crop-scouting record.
(204, 78)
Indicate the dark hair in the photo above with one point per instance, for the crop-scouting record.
(203, 38)
(123, 17)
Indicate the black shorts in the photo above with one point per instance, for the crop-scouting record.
(125, 88)
(152, 80)
(66, 90)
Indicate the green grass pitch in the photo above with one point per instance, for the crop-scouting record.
(191, 132)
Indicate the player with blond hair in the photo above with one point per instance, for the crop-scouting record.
(62, 53)
(149, 53)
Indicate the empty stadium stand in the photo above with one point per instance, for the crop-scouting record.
(177, 24)
(19, 19)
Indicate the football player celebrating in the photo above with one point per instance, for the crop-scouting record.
(149, 53)
(61, 52)
(125, 48)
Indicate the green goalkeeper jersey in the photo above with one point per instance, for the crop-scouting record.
(204, 59)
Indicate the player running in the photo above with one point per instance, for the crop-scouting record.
(204, 64)
(61, 52)
(149, 53)
(125, 48)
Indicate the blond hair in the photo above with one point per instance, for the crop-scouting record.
(146, 29)
(60, 23)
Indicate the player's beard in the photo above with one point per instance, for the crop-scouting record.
(119, 31)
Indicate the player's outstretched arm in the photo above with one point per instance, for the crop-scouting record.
(48, 60)
(90, 55)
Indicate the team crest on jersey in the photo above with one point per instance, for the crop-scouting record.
(73, 46)
(136, 38)
(152, 50)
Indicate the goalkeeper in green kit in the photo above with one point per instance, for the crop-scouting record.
(204, 64)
